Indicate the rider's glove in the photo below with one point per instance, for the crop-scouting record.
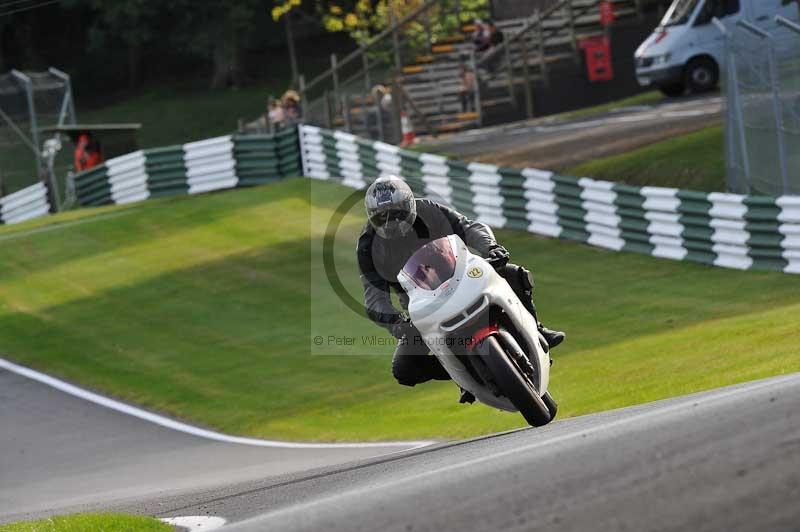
(402, 329)
(498, 256)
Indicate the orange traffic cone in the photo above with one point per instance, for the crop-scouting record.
(407, 130)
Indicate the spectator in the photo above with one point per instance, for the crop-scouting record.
(496, 38)
(481, 36)
(88, 153)
(495, 34)
(383, 95)
(292, 111)
(276, 115)
(467, 92)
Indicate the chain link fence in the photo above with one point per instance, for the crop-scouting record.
(30, 102)
(762, 83)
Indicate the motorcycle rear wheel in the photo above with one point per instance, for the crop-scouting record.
(510, 380)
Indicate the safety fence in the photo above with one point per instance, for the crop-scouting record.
(219, 163)
(762, 84)
(729, 230)
(26, 204)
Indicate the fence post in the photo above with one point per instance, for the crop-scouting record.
(379, 115)
(542, 62)
(68, 105)
(326, 109)
(346, 112)
(526, 79)
(365, 66)
(737, 111)
(426, 22)
(398, 64)
(335, 75)
(778, 110)
(301, 84)
(573, 37)
(26, 81)
(397, 108)
(474, 67)
(510, 68)
(366, 113)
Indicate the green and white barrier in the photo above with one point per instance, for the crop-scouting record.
(26, 204)
(204, 166)
(728, 230)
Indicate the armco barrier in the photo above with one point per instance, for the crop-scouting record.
(25, 204)
(204, 166)
(729, 230)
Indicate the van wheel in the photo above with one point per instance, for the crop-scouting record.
(673, 90)
(702, 75)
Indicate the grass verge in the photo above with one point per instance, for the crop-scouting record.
(693, 161)
(205, 308)
(90, 523)
(645, 98)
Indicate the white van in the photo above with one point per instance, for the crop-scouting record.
(686, 50)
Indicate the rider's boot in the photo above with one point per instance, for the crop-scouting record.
(553, 338)
(466, 397)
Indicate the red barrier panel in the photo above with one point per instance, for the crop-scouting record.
(598, 58)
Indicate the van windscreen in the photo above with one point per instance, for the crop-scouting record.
(679, 13)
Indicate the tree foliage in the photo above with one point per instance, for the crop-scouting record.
(364, 19)
(213, 30)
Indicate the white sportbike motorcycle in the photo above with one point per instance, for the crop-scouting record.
(476, 326)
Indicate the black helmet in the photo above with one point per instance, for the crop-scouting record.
(391, 207)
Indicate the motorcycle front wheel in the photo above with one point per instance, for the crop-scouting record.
(514, 385)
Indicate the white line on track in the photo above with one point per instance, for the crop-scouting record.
(576, 435)
(189, 429)
(689, 113)
(196, 523)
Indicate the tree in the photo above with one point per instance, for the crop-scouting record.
(133, 22)
(364, 19)
(215, 30)
(219, 31)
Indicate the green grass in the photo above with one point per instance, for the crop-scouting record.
(205, 308)
(90, 523)
(693, 161)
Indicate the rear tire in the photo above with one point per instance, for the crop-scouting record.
(673, 90)
(513, 384)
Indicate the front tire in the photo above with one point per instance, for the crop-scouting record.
(702, 75)
(510, 380)
(551, 404)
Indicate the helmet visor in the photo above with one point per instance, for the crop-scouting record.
(384, 217)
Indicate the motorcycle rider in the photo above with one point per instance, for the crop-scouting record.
(398, 226)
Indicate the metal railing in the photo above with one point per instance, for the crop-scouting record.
(337, 65)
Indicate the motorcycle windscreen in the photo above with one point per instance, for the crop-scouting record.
(432, 264)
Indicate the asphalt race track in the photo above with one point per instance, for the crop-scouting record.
(723, 460)
(728, 459)
(61, 453)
